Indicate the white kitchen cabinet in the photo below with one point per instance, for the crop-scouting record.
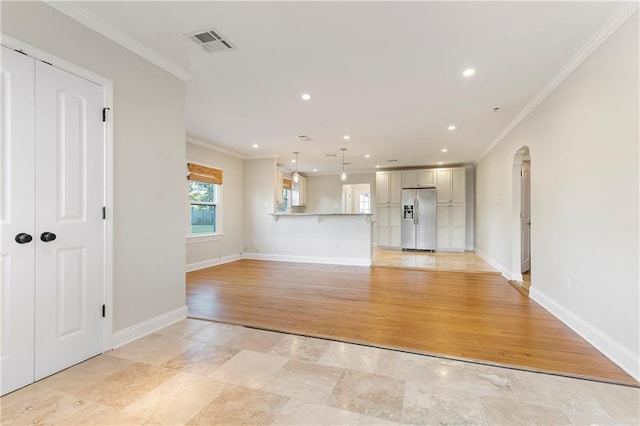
(450, 220)
(450, 185)
(418, 178)
(388, 225)
(451, 209)
(389, 187)
(299, 192)
(389, 196)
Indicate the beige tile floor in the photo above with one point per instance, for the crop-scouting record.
(198, 372)
(441, 261)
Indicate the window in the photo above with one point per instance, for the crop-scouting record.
(365, 203)
(203, 198)
(204, 190)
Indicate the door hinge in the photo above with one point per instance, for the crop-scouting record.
(104, 212)
(104, 113)
(104, 311)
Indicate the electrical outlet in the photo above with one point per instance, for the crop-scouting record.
(569, 284)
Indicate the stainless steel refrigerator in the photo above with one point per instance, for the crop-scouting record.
(418, 224)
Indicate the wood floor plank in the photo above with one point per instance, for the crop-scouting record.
(475, 316)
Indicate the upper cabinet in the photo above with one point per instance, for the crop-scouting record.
(389, 187)
(450, 185)
(418, 178)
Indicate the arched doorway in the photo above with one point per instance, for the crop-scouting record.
(521, 231)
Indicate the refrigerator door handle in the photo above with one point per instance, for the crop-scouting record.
(416, 209)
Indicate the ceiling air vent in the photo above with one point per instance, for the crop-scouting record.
(304, 138)
(211, 41)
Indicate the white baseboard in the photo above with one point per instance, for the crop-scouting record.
(143, 328)
(613, 350)
(504, 271)
(212, 262)
(353, 261)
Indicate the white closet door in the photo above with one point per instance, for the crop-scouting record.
(69, 201)
(16, 217)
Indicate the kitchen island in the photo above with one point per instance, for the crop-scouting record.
(332, 238)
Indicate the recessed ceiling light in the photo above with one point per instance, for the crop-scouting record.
(444, 150)
(451, 127)
(255, 145)
(346, 137)
(468, 72)
(315, 170)
(305, 96)
(293, 161)
(440, 162)
(377, 167)
(367, 156)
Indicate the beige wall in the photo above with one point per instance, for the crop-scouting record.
(204, 249)
(259, 197)
(583, 140)
(149, 192)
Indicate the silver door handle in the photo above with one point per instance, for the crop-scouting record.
(415, 211)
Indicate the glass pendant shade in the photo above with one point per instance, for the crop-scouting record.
(343, 175)
(296, 176)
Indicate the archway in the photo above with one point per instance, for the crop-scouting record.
(521, 224)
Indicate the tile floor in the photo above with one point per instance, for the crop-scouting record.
(440, 261)
(199, 372)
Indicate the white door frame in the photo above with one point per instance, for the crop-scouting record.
(516, 243)
(107, 85)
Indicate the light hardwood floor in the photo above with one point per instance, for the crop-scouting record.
(476, 316)
(440, 261)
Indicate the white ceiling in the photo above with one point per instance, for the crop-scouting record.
(387, 74)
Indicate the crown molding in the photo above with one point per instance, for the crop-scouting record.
(614, 22)
(88, 19)
(203, 144)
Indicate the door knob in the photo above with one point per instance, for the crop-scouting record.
(47, 236)
(23, 238)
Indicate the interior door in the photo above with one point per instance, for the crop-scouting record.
(16, 217)
(525, 216)
(69, 224)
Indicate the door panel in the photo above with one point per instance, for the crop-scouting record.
(426, 237)
(426, 178)
(409, 179)
(408, 227)
(525, 216)
(458, 184)
(394, 226)
(383, 226)
(457, 239)
(16, 216)
(458, 218)
(442, 216)
(444, 238)
(395, 187)
(382, 187)
(69, 194)
(443, 185)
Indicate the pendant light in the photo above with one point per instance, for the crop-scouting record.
(343, 175)
(296, 175)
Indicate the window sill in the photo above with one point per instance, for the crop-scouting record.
(202, 238)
